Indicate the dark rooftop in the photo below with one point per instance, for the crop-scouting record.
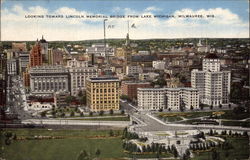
(211, 56)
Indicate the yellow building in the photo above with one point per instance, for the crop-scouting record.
(103, 93)
(120, 52)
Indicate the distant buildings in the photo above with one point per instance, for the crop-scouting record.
(55, 57)
(159, 65)
(101, 50)
(148, 76)
(79, 71)
(212, 83)
(103, 93)
(203, 48)
(168, 98)
(133, 69)
(45, 80)
(60, 98)
(12, 66)
(3, 78)
(129, 88)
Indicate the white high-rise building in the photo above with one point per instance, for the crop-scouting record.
(79, 71)
(167, 98)
(212, 83)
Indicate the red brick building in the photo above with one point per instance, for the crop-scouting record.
(129, 88)
(36, 55)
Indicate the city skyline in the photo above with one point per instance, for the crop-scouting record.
(228, 22)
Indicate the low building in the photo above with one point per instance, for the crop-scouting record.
(103, 93)
(38, 106)
(148, 76)
(101, 50)
(159, 65)
(45, 80)
(129, 88)
(133, 69)
(60, 99)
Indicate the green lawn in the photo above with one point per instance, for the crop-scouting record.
(236, 123)
(62, 149)
(239, 151)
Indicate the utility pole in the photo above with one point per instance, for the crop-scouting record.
(104, 30)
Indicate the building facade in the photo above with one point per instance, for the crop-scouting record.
(212, 83)
(12, 66)
(35, 58)
(129, 88)
(168, 98)
(151, 98)
(45, 80)
(133, 69)
(159, 65)
(103, 93)
(79, 72)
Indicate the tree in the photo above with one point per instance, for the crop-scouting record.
(201, 107)
(111, 133)
(83, 100)
(80, 93)
(70, 99)
(191, 108)
(215, 155)
(81, 114)
(83, 156)
(211, 107)
(98, 152)
(122, 112)
(72, 114)
(111, 112)
(63, 115)
(90, 113)
(101, 113)
(220, 105)
(43, 114)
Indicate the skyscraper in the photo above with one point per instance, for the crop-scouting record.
(36, 55)
(212, 83)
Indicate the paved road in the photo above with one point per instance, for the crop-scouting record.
(76, 122)
(147, 123)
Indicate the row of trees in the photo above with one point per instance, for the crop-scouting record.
(229, 133)
(201, 146)
(154, 148)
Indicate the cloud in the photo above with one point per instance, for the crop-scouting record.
(152, 8)
(15, 26)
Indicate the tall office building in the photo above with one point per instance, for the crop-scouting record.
(212, 83)
(79, 72)
(44, 49)
(35, 58)
(103, 93)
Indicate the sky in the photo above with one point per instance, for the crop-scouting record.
(230, 19)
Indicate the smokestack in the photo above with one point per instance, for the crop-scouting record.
(92, 59)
